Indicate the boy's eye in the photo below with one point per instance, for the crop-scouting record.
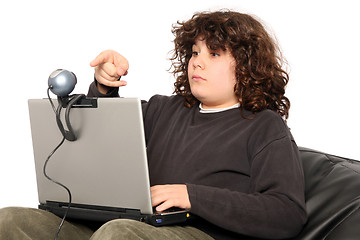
(194, 53)
(214, 54)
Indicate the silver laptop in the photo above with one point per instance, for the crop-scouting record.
(105, 168)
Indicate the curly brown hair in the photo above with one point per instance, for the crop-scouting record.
(260, 78)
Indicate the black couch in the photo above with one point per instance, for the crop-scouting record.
(332, 193)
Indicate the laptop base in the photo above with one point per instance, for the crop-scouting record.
(104, 214)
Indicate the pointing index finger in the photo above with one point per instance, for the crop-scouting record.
(101, 58)
(110, 56)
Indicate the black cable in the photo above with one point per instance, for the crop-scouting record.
(67, 113)
(60, 184)
(57, 112)
(51, 102)
(58, 120)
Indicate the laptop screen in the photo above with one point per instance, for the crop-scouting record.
(105, 166)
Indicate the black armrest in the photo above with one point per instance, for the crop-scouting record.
(332, 194)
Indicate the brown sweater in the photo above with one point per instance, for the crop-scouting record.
(244, 175)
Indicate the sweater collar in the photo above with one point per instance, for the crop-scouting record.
(215, 110)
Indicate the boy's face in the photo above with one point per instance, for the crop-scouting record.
(212, 76)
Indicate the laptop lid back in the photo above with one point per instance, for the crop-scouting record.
(105, 166)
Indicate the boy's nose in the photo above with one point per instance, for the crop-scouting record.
(198, 63)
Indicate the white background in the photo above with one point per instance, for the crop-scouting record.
(320, 40)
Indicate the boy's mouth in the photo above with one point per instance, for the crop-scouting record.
(197, 78)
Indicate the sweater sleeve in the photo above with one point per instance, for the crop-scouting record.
(94, 92)
(273, 208)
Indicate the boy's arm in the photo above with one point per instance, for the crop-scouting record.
(94, 91)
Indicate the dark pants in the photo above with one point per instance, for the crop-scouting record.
(27, 223)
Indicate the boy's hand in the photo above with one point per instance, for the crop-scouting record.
(167, 196)
(109, 67)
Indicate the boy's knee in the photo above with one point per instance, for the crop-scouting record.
(29, 223)
(21, 214)
(10, 219)
(123, 225)
(15, 222)
(9, 216)
(122, 229)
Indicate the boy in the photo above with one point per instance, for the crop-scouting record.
(220, 146)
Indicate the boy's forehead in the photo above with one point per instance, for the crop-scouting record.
(201, 40)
